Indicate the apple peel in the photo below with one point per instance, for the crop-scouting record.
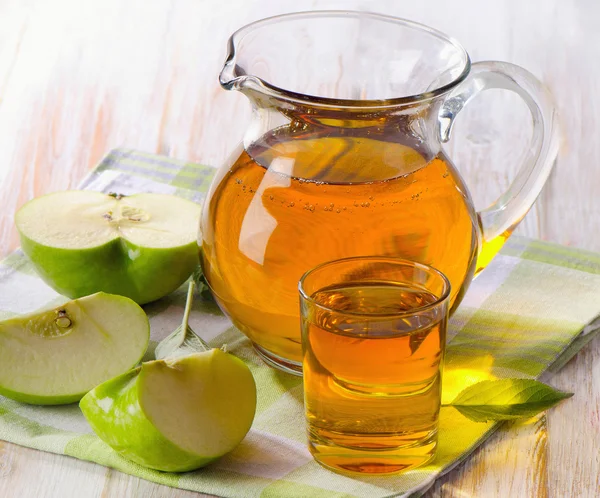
(55, 356)
(141, 246)
(178, 413)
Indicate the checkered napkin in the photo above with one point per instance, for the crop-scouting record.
(525, 314)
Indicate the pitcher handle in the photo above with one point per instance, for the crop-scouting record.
(499, 220)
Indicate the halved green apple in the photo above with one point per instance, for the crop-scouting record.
(176, 414)
(142, 246)
(56, 356)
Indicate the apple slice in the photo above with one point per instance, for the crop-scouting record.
(143, 246)
(175, 415)
(56, 356)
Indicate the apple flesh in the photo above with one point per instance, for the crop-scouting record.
(175, 415)
(142, 246)
(56, 356)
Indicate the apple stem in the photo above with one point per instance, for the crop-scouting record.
(186, 313)
(188, 305)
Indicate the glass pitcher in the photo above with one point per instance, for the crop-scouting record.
(343, 157)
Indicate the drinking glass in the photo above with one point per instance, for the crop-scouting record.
(373, 337)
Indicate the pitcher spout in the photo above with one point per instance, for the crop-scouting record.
(228, 76)
(232, 76)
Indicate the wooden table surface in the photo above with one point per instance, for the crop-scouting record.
(78, 78)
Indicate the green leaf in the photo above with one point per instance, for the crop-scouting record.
(416, 339)
(506, 399)
(183, 340)
(202, 285)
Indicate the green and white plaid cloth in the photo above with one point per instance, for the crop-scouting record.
(527, 313)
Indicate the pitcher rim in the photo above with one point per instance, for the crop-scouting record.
(229, 79)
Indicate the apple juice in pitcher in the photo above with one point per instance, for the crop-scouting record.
(294, 201)
(343, 157)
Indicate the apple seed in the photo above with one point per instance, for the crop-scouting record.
(134, 214)
(62, 320)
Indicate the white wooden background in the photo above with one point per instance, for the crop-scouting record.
(80, 77)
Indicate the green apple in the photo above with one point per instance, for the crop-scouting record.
(54, 357)
(142, 246)
(175, 414)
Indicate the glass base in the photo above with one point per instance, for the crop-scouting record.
(275, 361)
(371, 461)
